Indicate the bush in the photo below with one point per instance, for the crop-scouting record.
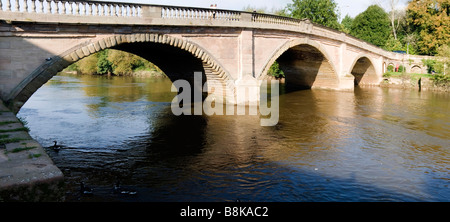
(276, 71)
(441, 80)
(430, 63)
(390, 68)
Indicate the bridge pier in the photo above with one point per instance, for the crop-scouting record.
(346, 82)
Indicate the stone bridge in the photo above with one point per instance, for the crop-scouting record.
(39, 38)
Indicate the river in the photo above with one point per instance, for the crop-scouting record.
(373, 144)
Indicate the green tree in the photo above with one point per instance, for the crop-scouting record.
(88, 65)
(393, 44)
(443, 63)
(323, 12)
(372, 25)
(104, 66)
(430, 20)
(346, 24)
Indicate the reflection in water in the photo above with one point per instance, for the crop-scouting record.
(373, 144)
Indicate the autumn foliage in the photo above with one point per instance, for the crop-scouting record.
(430, 20)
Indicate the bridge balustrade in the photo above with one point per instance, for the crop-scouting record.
(61, 7)
(169, 12)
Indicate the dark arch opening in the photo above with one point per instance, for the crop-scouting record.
(364, 72)
(306, 67)
(174, 62)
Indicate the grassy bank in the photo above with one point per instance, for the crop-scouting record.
(434, 82)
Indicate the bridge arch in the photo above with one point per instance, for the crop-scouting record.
(364, 71)
(306, 64)
(198, 59)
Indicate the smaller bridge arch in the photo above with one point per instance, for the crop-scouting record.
(306, 64)
(364, 71)
(199, 60)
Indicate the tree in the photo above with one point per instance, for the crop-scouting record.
(346, 24)
(443, 63)
(393, 44)
(104, 66)
(397, 17)
(88, 65)
(323, 12)
(430, 19)
(372, 26)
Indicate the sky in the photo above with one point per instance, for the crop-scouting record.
(350, 7)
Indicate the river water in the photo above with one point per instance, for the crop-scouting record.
(373, 144)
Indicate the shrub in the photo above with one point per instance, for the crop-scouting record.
(276, 71)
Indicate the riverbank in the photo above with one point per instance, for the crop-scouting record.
(26, 171)
(415, 81)
(141, 73)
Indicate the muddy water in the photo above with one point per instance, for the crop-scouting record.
(373, 144)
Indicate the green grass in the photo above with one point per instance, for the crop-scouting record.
(20, 149)
(10, 140)
(31, 156)
(26, 129)
(412, 75)
(7, 122)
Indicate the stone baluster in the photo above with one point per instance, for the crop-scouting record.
(84, 10)
(95, 9)
(33, 6)
(49, 7)
(107, 10)
(16, 6)
(77, 8)
(128, 12)
(100, 9)
(40, 6)
(8, 6)
(70, 8)
(90, 11)
(113, 10)
(119, 10)
(25, 5)
(63, 8)
(56, 6)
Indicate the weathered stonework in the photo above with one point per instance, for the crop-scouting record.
(26, 171)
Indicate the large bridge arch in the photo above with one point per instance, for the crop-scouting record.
(306, 64)
(364, 71)
(180, 58)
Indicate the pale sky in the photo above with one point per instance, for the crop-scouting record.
(350, 7)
